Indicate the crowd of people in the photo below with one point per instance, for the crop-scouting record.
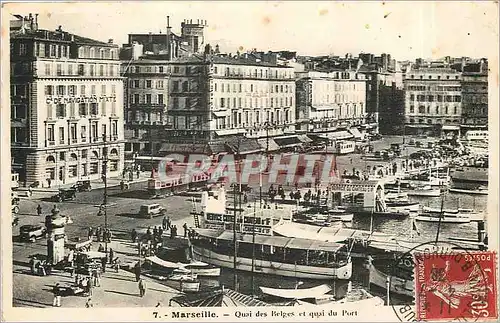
(102, 235)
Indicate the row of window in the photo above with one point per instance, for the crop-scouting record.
(429, 121)
(337, 98)
(72, 89)
(80, 69)
(255, 118)
(436, 88)
(437, 98)
(74, 110)
(247, 71)
(75, 138)
(337, 86)
(97, 52)
(259, 88)
(423, 109)
(146, 98)
(253, 102)
(147, 84)
(435, 77)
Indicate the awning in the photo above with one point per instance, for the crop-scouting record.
(290, 141)
(226, 132)
(355, 132)
(337, 135)
(186, 148)
(321, 107)
(304, 138)
(418, 126)
(273, 146)
(219, 114)
(243, 145)
(448, 127)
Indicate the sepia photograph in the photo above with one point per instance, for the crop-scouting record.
(267, 160)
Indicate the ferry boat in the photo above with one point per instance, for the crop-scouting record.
(258, 250)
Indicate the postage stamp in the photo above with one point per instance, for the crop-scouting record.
(459, 286)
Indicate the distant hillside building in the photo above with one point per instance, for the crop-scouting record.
(66, 105)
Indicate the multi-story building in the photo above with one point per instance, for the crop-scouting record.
(146, 100)
(475, 96)
(433, 100)
(327, 102)
(66, 106)
(146, 64)
(217, 99)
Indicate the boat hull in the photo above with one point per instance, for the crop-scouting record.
(397, 285)
(190, 286)
(272, 267)
(399, 208)
(456, 220)
(428, 193)
(466, 191)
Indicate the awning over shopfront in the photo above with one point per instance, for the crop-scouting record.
(243, 145)
(168, 148)
(450, 128)
(219, 114)
(273, 146)
(304, 138)
(289, 141)
(355, 132)
(226, 132)
(418, 126)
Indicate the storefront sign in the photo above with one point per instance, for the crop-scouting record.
(65, 99)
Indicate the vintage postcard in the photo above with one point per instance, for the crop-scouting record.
(249, 161)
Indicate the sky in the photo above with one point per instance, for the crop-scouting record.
(404, 29)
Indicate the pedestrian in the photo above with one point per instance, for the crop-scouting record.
(169, 223)
(164, 223)
(33, 265)
(104, 261)
(155, 232)
(98, 234)
(57, 296)
(39, 210)
(185, 227)
(71, 258)
(49, 182)
(104, 235)
(133, 235)
(142, 287)
(90, 286)
(89, 302)
(160, 234)
(91, 233)
(108, 235)
(101, 248)
(97, 278)
(148, 233)
(139, 248)
(137, 271)
(111, 255)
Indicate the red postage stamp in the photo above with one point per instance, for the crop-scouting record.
(458, 286)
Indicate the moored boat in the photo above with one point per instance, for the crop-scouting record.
(477, 191)
(429, 217)
(426, 190)
(283, 256)
(397, 285)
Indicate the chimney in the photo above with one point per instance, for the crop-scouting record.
(110, 41)
(168, 22)
(35, 25)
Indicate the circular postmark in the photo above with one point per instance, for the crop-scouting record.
(449, 283)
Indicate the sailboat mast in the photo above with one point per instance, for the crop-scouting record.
(441, 215)
(235, 275)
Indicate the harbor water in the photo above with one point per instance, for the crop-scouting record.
(398, 227)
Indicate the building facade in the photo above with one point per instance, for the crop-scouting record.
(218, 100)
(433, 101)
(66, 106)
(329, 101)
(475, 96)
(146, 97)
